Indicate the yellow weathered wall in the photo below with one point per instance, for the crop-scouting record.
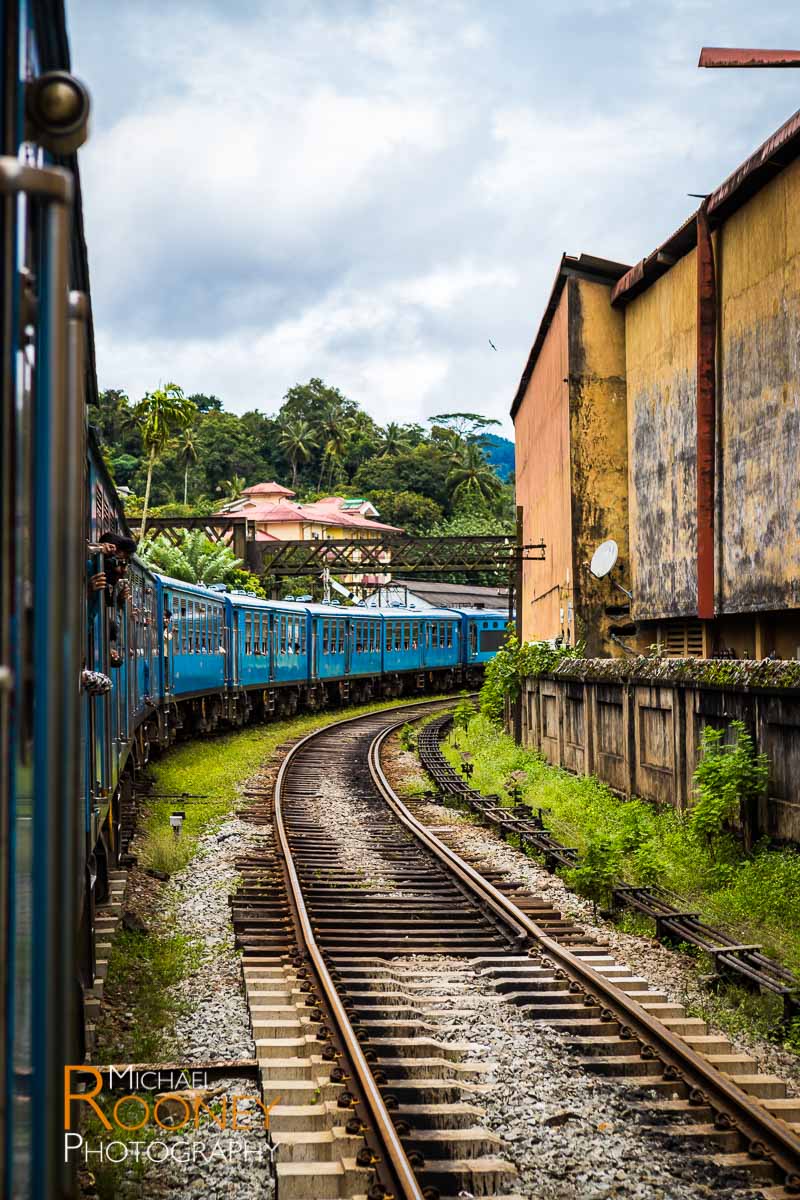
(599, 466)
(757, 253)
(541, 432)
(759, 399)
(661, 351)
(572, 467)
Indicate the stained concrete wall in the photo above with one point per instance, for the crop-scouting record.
(660, 334)
(643, 737)
(757, 253)
(759, 500)
(598, 466)
(571, 437)
(543, 483)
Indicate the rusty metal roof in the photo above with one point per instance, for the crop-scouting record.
(724, 56)
(584, 266)
(777, 152)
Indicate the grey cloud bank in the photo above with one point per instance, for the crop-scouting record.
(369, 191)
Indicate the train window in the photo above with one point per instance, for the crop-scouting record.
(389, 633)
(449, 635)
(324, 637)
(302, 635)
(190, 626)
(473, 638)
(205, 628)
(406, 635)
(247, 632)
(415, 635)
(198, 625)
(265, 634)
(341, 636)
(256, 633)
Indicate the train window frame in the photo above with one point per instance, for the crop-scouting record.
(257, 634)
(325, 636)
(389, 636)
(190, 626)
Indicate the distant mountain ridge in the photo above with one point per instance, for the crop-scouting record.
(500, 453)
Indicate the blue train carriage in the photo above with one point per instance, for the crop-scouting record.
(483, 632)
(269, 661)
(420, 647)
(345, 654)
(193, 659)
(45, 376)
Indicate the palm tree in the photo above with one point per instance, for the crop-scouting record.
(160, 415)
(232, 488)
(188, 452)
(471, 475)
(296, 439)
(334, 431)
(394, 439)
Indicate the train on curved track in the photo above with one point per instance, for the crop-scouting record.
(102, 659)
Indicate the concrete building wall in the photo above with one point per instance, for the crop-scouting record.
(758, 255)
(599, 466)
(757, 534)
(661, 353)
(543, 484)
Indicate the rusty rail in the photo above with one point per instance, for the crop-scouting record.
(402, 1181)
(766, 1136)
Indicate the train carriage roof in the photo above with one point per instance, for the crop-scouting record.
(180, 585)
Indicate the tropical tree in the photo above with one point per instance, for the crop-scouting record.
(232, 488)
(468, 425)
(188, 454)
(334, 431)
(192, 557)
(160, 415)
(297, 440)
(394, 439)
(472, 477)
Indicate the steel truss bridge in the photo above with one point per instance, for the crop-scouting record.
(395, 554)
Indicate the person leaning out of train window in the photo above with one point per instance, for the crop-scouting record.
(117, 550)
(114, 654)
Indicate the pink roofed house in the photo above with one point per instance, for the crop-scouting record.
(277, 516)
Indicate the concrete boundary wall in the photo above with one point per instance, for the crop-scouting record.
(642, 736)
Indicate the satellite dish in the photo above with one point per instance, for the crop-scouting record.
(604, 558)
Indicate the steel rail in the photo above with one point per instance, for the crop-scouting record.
(404, 1182)
(767, 1136)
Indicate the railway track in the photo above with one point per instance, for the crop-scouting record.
(340, 913)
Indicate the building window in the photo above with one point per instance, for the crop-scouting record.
(682, 639)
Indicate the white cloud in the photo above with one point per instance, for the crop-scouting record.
(369, 190)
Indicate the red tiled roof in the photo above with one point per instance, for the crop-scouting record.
(320, 512)
(267, 489)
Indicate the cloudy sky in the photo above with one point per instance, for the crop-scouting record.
(370, 191)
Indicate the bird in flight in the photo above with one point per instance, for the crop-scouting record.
(491, 343)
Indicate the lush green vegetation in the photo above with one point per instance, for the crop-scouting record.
(757, 895)
(514, 662)
(139, 1025)
(185, 455)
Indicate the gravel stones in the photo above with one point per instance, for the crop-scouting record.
(570, 1136)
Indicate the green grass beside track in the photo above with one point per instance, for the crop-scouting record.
(757, 896)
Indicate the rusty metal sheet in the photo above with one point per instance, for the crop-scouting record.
(722, 56)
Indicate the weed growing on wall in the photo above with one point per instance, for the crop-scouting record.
(756, 896)
(727, 777)
(514, 662)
